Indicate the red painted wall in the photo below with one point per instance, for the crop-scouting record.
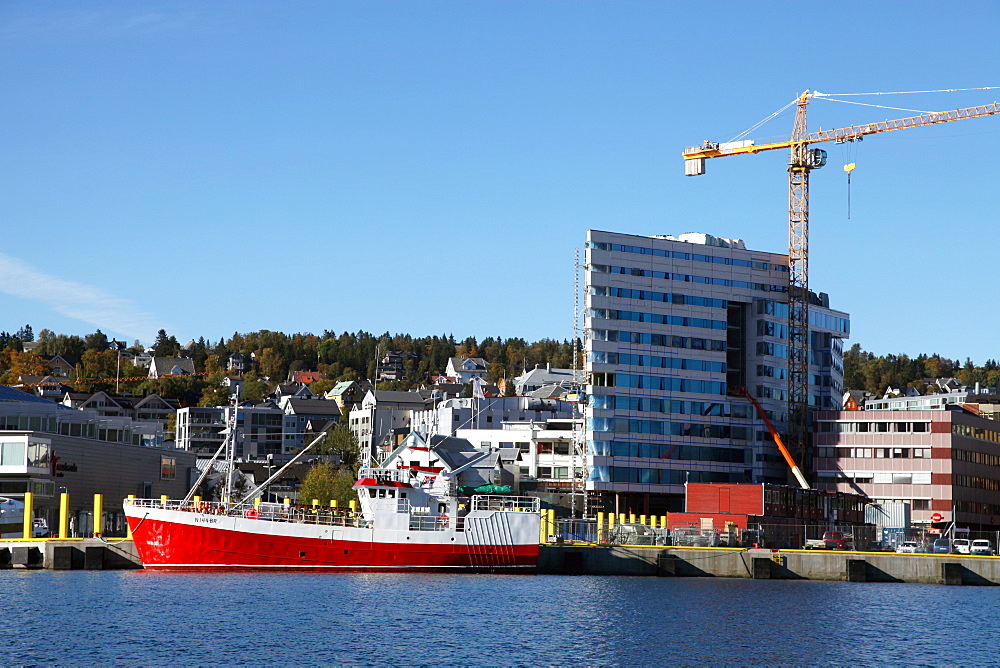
(745, 499)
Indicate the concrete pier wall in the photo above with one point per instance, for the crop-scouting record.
(71, 554)
(761, 563)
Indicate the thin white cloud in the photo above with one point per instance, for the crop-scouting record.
(75, 300)
(32, 22)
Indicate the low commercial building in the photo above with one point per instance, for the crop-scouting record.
(944, 462)
(49, 449)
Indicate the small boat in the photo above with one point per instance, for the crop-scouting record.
(11, 518)
(420, 510)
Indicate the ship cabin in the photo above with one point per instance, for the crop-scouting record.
(432, 476)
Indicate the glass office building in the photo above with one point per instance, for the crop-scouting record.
(671, 324)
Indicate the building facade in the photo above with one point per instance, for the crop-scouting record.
(944, 462)
(671, 325)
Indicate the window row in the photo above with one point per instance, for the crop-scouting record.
(976, 432)
(656, 318)
(665, 428)
(678, 255)
(975, 457)
(687, 278)
(826, 427)
(669, 384)
(654, 296)
(816, 318)
(656, 362)
(624, 474)
(875, 453)
(665, 340)
(697, 453)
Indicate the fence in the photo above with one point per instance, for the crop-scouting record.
(791, 535)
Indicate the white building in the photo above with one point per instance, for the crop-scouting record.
(546, 376)
(383, 419)
(550, 458)
(464, 369)
(672, 323)
(446, 417)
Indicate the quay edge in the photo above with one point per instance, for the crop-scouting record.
(840, 566)
(69, 554)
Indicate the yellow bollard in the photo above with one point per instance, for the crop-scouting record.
(315, 503)
(652, 521)
(642, 519)
(542, 534)
(600, 527)
(631, 518)
(288, 501)
(333, 503)
(29, 515)
(611, 521)
(163, 500)
(354, 506)
(256, 502)
(64, 515)
(128, 529)
(98, 515)
(552, 521)
(196, 500)
(621, 518)
(663, 521)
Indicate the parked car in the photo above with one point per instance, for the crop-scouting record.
(981, 546)
(909, 547)
(831, 540)
(961, 546)
(942, 546)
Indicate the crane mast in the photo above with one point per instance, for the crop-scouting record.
(802, 160)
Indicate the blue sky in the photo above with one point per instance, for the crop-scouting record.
(430, 167)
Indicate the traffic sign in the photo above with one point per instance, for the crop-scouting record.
(937, 517)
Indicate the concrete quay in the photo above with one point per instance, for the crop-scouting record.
(90, 554)
(950, 569)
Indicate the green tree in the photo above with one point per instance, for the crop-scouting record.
(319, 483)
(343, 487)
(165, 346)
(342, 442)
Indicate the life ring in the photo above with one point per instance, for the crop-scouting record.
(250, 513)
(443, 520)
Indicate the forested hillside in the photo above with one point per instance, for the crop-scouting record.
(346, 356)
(352, 356)
(867, 371)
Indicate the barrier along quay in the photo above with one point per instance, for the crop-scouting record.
(647, 546)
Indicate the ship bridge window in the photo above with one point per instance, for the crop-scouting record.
(381, 494)
(392, 494)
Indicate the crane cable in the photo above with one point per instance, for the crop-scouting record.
(816, 93)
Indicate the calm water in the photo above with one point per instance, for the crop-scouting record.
(129, 618)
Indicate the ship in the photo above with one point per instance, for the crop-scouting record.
(431, 505)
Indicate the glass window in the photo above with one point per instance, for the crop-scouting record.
(168, 468)
(12, 453)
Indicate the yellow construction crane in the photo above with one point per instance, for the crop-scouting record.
(802, 160)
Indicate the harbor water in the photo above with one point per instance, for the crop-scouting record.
(144, 618)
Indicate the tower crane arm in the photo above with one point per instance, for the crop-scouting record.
(720, 150)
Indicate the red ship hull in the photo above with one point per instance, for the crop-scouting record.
(194, 542)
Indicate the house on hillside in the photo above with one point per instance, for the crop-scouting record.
(464, 369)
(170, 366)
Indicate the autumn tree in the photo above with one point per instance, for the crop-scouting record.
(319, 483)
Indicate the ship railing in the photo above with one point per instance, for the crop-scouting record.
(271, 512)
(389, 475)
(441, 522)
(524, 504)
